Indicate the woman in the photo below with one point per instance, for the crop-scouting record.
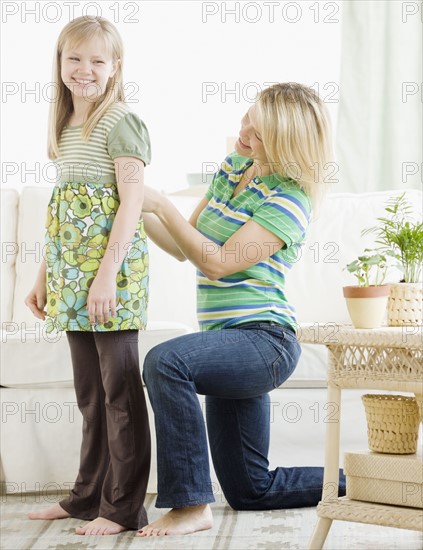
(243, 238)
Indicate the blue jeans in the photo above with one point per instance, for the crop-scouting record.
(235, 368)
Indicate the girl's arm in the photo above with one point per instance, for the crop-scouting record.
(130, 181)
(248, 246)
(162, 237)
(37, 297)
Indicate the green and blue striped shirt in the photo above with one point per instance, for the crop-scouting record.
(257, 293)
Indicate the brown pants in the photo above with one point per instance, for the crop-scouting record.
(115, 451)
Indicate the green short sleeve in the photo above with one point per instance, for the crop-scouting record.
(285, 215)
(210, 188)
(129, 138)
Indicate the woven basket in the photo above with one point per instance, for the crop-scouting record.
(392, 423)
(405, 304)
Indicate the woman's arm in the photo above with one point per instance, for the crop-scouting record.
(161, 236)
(251, 244)
(130, 182)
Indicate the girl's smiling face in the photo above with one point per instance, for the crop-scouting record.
(86, 69)
(249, 143)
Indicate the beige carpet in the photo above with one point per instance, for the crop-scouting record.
(284, 529)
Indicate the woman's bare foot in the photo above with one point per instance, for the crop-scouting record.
(180, 521)
(52, 512)
(100, 526)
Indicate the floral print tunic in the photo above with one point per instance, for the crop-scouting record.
(79, 220)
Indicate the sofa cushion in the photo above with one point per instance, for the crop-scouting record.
(24, 353)
(9, 249)
(30, 235)
(173, 295)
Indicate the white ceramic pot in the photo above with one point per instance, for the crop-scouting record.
(366, 305)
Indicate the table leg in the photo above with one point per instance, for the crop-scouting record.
(331, 475)
(319, 534)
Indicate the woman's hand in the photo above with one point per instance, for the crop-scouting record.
(37, 299)
(101, 301)
(152, 200)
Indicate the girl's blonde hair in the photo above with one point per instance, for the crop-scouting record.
(74, 33)
(296, 132)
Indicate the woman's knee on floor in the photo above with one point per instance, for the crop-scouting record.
(241, 501)
(240, 492)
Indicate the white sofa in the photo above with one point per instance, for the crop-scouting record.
(40, 423)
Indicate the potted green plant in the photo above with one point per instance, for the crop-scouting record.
(366, 302)
(401, 236)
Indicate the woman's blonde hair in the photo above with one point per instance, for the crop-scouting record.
(74, 33)
(296, 132)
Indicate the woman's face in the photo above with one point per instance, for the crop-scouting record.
(86, 69)
(249, 142)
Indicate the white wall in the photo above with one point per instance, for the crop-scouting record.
(173, 49)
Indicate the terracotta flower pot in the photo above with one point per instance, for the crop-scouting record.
(366, 304)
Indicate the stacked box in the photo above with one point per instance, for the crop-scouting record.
(385, 478)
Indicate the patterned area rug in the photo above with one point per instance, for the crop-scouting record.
(281, 529)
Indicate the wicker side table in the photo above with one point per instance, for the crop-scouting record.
(389, 358)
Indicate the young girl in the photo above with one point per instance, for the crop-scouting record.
(243, 238)
(94, 279)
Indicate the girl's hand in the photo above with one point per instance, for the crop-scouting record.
(152, 199)
(37, 299)
(101, 301)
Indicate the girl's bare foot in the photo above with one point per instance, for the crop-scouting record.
(52, 512)
(100, 526)
(180, 521)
